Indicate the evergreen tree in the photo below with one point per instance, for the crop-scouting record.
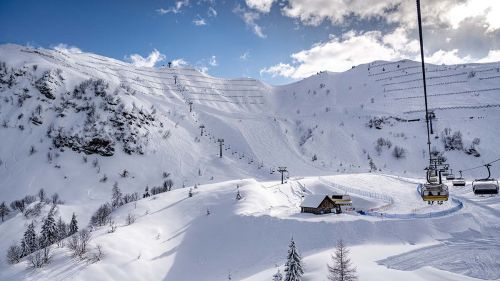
(49, 233)
(278, 276)
(62, 229)
(146, 192)
(293, 266)
(342, 269)
(41, 194)
(73, 225)
(116, 197)
(29, 243)
(4, 210)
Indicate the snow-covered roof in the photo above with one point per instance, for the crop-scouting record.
(313, 201)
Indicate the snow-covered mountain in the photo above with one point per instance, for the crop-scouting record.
(77, 123)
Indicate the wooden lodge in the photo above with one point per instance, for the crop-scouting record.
(319, 204)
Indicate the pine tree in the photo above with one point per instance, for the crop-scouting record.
(146, 192)
(73, 225)
(62, 229)
(342, 269)
(293, 266)
(278, 276)
(29, 243)
(116, 197)
(4, 210)
(49, 233)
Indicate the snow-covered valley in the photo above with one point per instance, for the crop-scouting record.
(78, 124)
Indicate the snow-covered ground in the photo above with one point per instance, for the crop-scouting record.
(142, 117)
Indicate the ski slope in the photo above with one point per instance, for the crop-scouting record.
(324, 117)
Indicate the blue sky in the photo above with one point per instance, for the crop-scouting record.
(276, 41)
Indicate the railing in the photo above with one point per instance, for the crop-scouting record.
(459, 206)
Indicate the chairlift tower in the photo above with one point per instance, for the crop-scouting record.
(202, 127)
(282, 170)
(221, 143)
(190, 103)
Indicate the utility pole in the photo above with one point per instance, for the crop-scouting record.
(190, 106)
(282, 170)
(221, 143)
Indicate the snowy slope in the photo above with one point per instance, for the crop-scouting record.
(71, 120)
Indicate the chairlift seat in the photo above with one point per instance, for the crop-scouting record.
(485, 187)
(434, 192)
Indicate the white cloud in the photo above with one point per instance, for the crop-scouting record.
(250, 19)
(211, 12)
(213, 61)
(199, 22)
(179, 63)
(161, 11)
(263, 6)
(281, 69)
(314, 12)
(177, 8)
(493, 56)
(352, 48)
(447, 57)
(151, 60)
(245, 56)
(338, 54)
(64, 48)
(449, 13)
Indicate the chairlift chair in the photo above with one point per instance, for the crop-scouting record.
(486, 186)
(432, 176)
(459, 181)
(434, 190)
(450, 176)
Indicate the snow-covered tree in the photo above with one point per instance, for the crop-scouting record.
(342, 268)
(29, 243)
(293, 266)
(49, 230)
(41, 194)
(116, 197)
(14, 254)
(73, 225)
(102, 216)
(146, 192)
(4, 210)
(62, 231)
(278, 276)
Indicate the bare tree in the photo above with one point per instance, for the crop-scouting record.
(342, 269)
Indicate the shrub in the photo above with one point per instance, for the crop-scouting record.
(398, 152)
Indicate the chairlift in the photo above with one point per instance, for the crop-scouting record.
(450, 176)
(486, 186)
(434, 190)
(432, 175)
(271, 171)
(459, 181)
